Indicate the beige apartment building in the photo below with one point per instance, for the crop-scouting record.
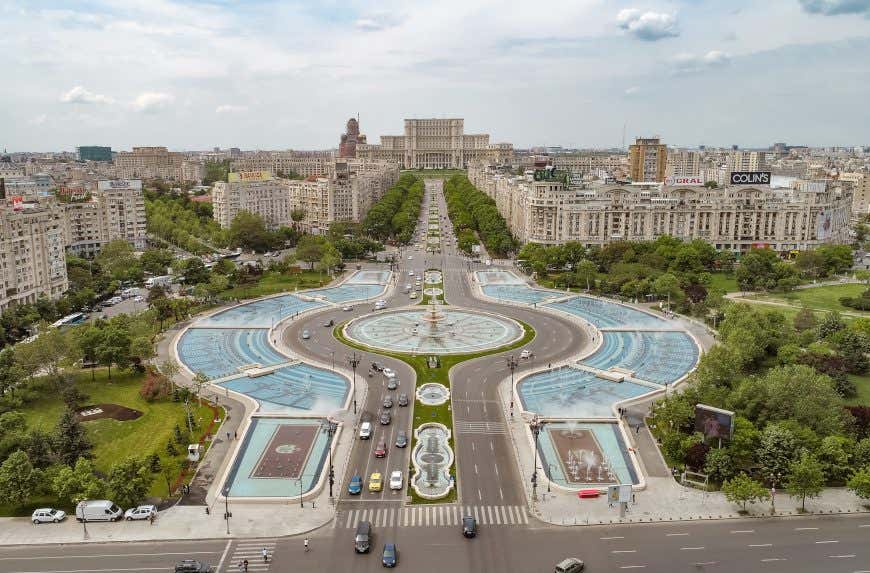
(684, 163)
(156, 163)
(32, 259)
(305, 163)
(543, 207)
(115, 210)
(435, 144)
(860, 183)
(257, 192)
(647, 160)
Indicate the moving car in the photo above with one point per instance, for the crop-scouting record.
(403, 399)
(305, 334)
(365, 431)
(410, 273)
(355, 485)
(328, 323)
(396, 480)
(392, 384)
(362, 539)
(401, 439)
(388, 401)
(377, 366)
(376, 482)
(347, 308)
(47, 515)
(192, 566)
(525, 354)
(390, 556)
(381, 449)
(386, 418)
(413, 295)
(469, 527)
(389, 373)
(569, 565)
(141, 512)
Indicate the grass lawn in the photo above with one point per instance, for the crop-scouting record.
(114, 440)
(435, 173)
(824, 298)
(862, 383)
(726, 282)
(273, 283)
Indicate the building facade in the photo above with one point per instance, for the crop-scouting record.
(647, 160)
(32, 258)
(304, 163)
(350, 139)
(257, 192)
(114, 210)
(436, 144)
(684, 163)
(151, 163)
(542, 208)
(860, 183)
(94, 153)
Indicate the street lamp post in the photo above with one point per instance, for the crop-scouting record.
(354, 362)
(512, 364)
(333, 360)
(537, 424)
(227, 514)
(330, 430)
(549, 476)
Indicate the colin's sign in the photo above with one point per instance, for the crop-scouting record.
(750, 178)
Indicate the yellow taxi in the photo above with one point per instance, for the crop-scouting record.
(376, 482)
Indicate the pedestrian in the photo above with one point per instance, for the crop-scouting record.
(241, 566)
(228, 436)
(265, 555)
(306, 545)
(236, 435)
(151, 518)
(245, 563)
(637, 429)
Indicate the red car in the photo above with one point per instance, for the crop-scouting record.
(381, 449)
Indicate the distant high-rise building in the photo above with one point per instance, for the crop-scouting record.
(746, 161)
(682, 163)
(350, 139)
(860, 192)
(648, 160)
(94, 153)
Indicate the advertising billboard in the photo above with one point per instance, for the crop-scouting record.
(235, 177)
(17, 203)
(119, 184)
(824, 225)
(619, 493)
(750, 178)
(714, 422)
(684, 181)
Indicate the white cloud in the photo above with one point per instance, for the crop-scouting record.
(632, 90)
(80, 95)
(648, 26)
(38, 120)
(229, 108)
(692, 64)
(836, 7)
(367, 24)
(150, 102)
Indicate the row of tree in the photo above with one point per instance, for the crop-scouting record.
(475, 215)
(394, 216)
(187, 224)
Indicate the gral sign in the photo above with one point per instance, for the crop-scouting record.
(119, 184)
(750, 178)
(249, 176)
(714, 422)
(683, 181)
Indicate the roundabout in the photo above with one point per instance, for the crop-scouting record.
(436, 330)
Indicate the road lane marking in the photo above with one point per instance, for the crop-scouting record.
(743, 531)
(761, 545)
(224, 556)
(475, 469)
(702, 563)
(624, 551)
(608, 538)
(633, 567)
(676, 534)
(691, 548)
(96, 570)
(842, 556)
(501, 494)
(472, 446)
(828, 541)
(491, 447)
(101, 556)
(806, 528)
(769, 559)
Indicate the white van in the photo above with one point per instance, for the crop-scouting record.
(365, 431)
(98, 510)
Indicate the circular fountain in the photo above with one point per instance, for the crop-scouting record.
(437, 329)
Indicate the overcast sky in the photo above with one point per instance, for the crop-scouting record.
(283, 74)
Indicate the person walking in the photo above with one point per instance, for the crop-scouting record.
(241, 566)
(306, 545)
(265, 555)
(245, 563)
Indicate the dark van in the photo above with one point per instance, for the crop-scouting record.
(362, 540)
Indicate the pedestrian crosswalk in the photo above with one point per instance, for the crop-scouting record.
(433, 516)
(466, 427)
(253, 552)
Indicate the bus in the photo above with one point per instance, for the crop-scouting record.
(69, 320)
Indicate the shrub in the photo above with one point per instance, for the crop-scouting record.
(155, 386)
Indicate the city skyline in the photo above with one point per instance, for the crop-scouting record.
(194, 75)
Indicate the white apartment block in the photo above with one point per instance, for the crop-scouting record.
(548, 211)
(155, 163)
(32, 259)
(304, 163)
(746, 161)
(683, 163)
(256, 192)
(9, 170)
(115, 210)
(860, 192)
(435, 144)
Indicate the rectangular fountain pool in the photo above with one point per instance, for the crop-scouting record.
(573, 393)
(297, 387)
(578, 455)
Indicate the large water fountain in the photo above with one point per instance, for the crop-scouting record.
(435, 329)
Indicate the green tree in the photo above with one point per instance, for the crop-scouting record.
(310, 249)
(805, 319)
(156, 261)
(776, 452)
(129, 481)
(200, 381)
(835, 455)
(743, 489)
(70, 440)
(89, 339)
(248, 231)
(859, 483)
(810, 264)
(118, 259)
(195, 271)
(718, 464)
(330, 258)
(18, 479)
(11, 374)
(831, 323)
(115, 348)
(586, 272)
(806, 478)
(74, 484)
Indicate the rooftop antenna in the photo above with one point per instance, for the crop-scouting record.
(624, 124)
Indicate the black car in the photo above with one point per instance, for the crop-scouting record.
(192, 566)
(386, 418)
(469, 526)
(401, 439)
(328, 323)
(391, 555)
(403, 399)
(377, 366)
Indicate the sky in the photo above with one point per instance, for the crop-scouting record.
(263, 74)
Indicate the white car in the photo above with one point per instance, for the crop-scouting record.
(410, 273)
(525, 354)
(413, 295)
(347, 308)
(396, 480)
(410, 258)
(141, 512)
(47, 515)
(389, 373)
(139, 299)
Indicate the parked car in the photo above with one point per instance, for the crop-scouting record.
(570, 565)
(386, 418)
(396, 480)
(365, 431)
(388, 401)
(381, 449)
(390, 556)
(305, 334)
(355, 485)
(98, 510)
(403, 399)
(141, 512)
(376, 482)
(401, 439)
(469, 527)
(47, 515)
(192, 566)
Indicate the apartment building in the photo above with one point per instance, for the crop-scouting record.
(860, 183)
(647, 160)
(32, 259)
(257, 192)
(305, 163)
(115, 210)
(156, 163)
(9, 170)
(436, 144)
(684, 163)
(746, 161)
(546, 207)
